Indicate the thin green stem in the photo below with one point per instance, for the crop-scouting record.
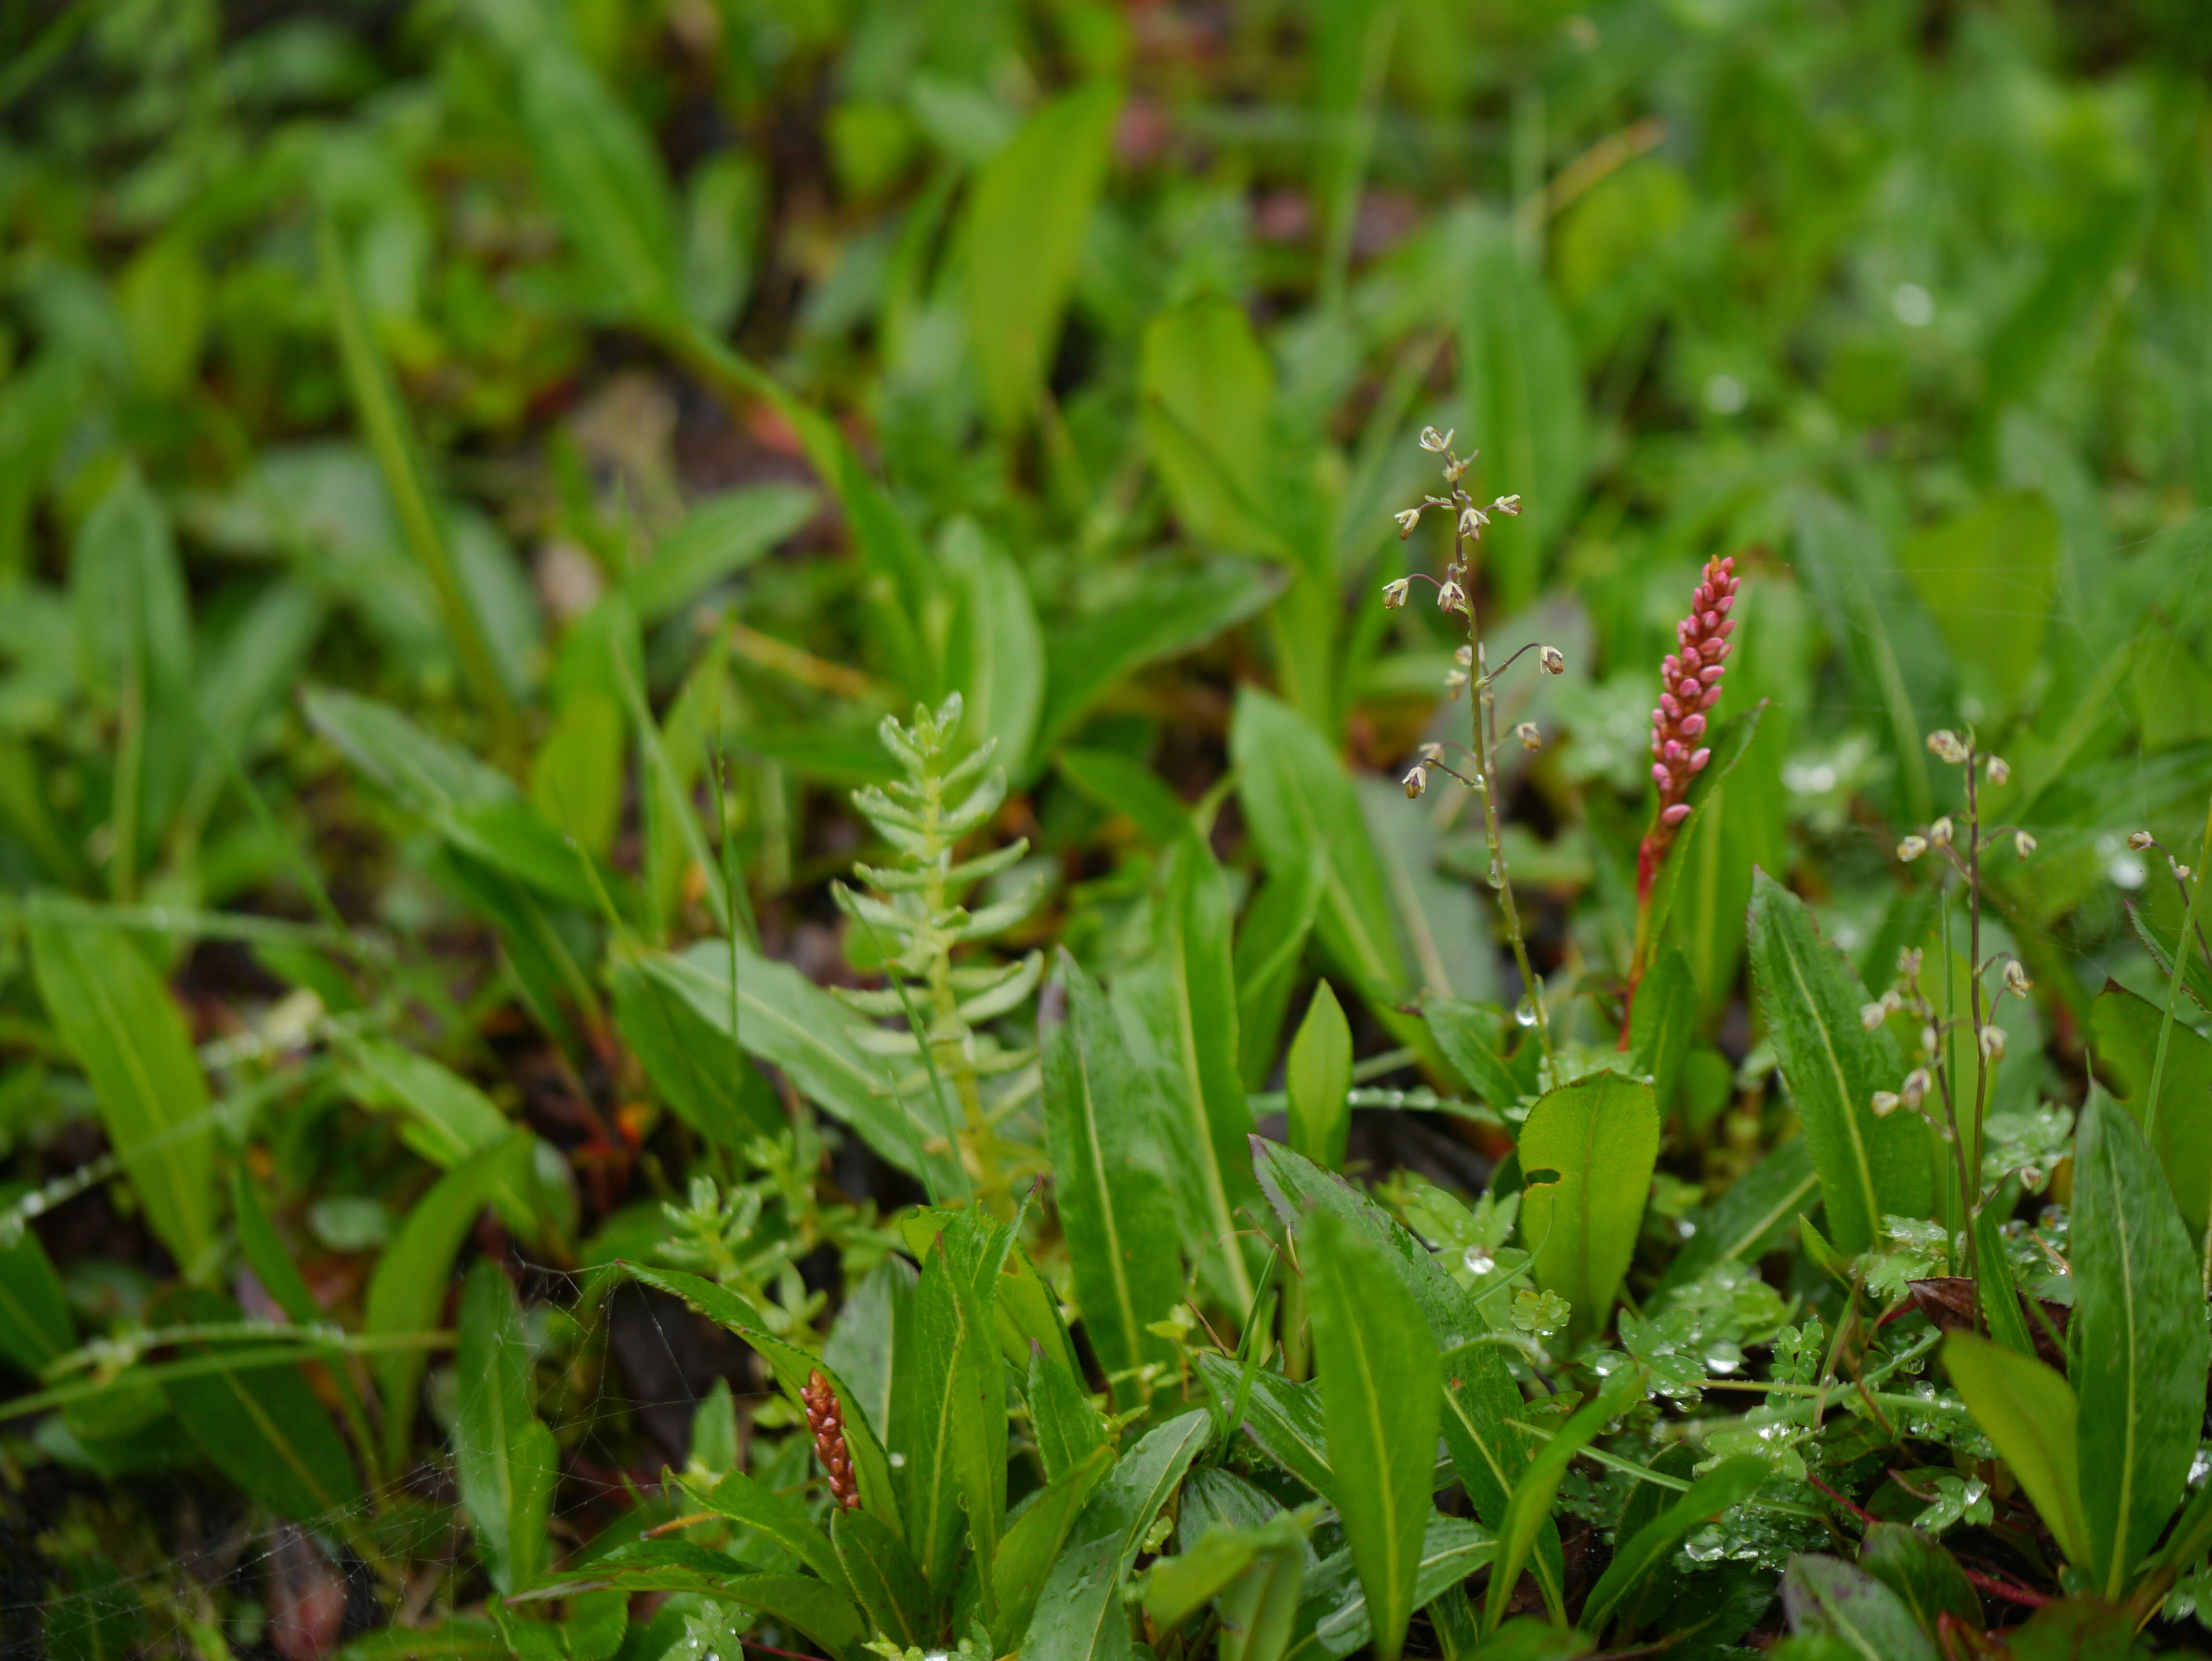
(2173, 983)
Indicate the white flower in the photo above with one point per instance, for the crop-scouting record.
(1884, 1103)
(1452, 596)
(1939, 834)
(2142, 840)
(1927, 1039)
(1872, 1015)
(1529, 736)
(1407, 518)
(2015, 977)
(1908, 964)
(1471, 522)
(1912, 849)
(1916, 1087)
(2000, 770)
(1507, 505)
(1416, 781)
(2182, 872)
(1552, 660)
(1945, 745)
(1393, 593)
(1993, 1041)
(2022, 843)
(1435, 442)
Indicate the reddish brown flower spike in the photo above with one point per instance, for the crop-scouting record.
(1691, 684)
(826, 1419)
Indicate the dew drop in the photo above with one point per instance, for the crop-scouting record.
(1525, 1010)
(1478, 1261)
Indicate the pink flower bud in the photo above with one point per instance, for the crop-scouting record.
(1675, 815)
(1672, 749)
(1728, 626)
(1668, 710)
(1690, 661)
(1659, 775)
(1712, 697)
(1686, 688)
(1711, 672)
(1693, 725)
(1698, 759)
(1723, 602)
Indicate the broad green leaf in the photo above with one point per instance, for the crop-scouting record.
(1441, 926)
(34, 1314)
(1380, 1387)
(1810, 1000)
(1529, 1511)
(116, 1018)
(591, 1630)
(872, 1470)
(1998, 1297)
(2030, 1413)
(1297, 799)
(1116, 1207)
(883, 1575)
(820, 1611)
(1180, 608)
(576, 775)
(504, 1459)
(949, 1419)
(1986, 576)
(1827, 1596)
(2075, 1629)
(448, 1117)
(421, 772)
(1752, 1218)
(262, 1427)
(1024, 235)
(691, 1062)
(1451, 1549)
(1078, 1609)
(1922, 1572)
(1319, 1076)
(780, 1516)
(1259, 1608)
(1176, 1588)
(1643, 1552)
(408, 1289)
(1472, 1037)
(1479, 1395)
(1269, 948)
(1180, 1018)
(2137, 1351)
(1066, 1424)
(1034, 1538)
(1122, 786)
(2124, 1028)
(1206, 386)
(1282, 1416)
(1600, 1137)
(995, 656)
(720, 537)
(1663, 1023)
(1523, 393)
(786, 1020)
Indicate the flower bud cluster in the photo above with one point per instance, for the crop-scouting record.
(1691, 685)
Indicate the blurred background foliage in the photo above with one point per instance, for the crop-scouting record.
(649, 395)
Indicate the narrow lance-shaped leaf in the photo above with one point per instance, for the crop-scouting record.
(1828, 1598)
(1599, 1138)
(1531, 1506)
(2029, 1412)
(504, 1460)
(1115, 1206)
(2137, 1347)
(1377, 1361)
(1811, 1000)
(1642, 1552)
(1320, 1079)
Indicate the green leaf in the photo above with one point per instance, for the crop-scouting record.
(780, 1517)
(1750, 1218)
(2137, 1351)
(819, 1610)
(1451, 1549)
(1643, 1552)
(504, 1460)
(949, 1418)
(1115, 1207)
(720, 537)
(1529, 1509)
(1472, 1037)
(786, 1020)
(1601, 1136)
(2075, 1629)
(2030, 1413)
(1269, 948)
(448, 1117)
(1663, 1023)
(1441, 926)
(1827, 1596)
(1282, 1416)
(1922, 1572)
(1033, 1541)
(1067, 1427)
(1026, 219)
(407, 1290)
(1297, 799)
(1320, 1079)
(115, 1016)
(1986, 576)
(34, 1315)
(1079, 1611)
(1479, 1395)
(872, 1470)
(1377, 1362)
(692, 1064)
(1998, 1297)
(1206, 386)
(1259, 1608)
(995, 656)
(1124, 787)
(1180, 1016)
(261, 1426)
(1180, 608)
(1810, 1000)
(883, 1575)
(1523, 393)
(1176, 1588)
(2125, 1030)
